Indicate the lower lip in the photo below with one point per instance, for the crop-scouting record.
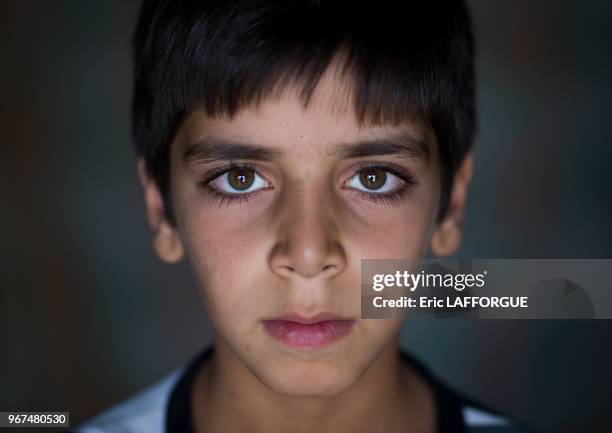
(304, 336)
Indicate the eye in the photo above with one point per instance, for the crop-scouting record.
(239, 180)
(375, 180)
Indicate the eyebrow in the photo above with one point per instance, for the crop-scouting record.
(401, 143)
(211, 149)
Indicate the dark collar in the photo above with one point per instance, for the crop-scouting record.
(178, 415)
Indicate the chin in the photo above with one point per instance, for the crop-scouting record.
(309, 379)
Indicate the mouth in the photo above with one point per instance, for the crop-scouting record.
(312, 332)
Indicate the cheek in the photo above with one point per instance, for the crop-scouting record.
(380, 330)
(399, 232)
(226, 253)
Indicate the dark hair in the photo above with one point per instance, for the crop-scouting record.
(415, 62)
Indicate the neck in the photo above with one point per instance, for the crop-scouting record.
(389, 396)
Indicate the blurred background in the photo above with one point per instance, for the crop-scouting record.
(89, 316)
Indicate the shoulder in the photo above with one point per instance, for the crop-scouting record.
(163, 404)
(144, 412)
(458, 413)
(480, 420)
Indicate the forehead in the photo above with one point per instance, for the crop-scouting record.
(285, 120)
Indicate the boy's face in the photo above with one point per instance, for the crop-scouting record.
(292, 243)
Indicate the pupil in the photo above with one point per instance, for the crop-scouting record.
(373, 178)
(240, 178)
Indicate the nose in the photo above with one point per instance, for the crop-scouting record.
(307, 244)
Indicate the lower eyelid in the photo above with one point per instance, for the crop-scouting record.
(388, 198)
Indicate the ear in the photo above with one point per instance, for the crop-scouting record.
(446, 238)
(166, 241)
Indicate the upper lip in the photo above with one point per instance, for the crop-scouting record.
(320, 317)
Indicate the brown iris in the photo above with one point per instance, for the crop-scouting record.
(373, 178)
(240, 178)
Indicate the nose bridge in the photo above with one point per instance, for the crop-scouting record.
(308, 242)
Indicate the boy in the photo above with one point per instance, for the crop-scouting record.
(279, 143)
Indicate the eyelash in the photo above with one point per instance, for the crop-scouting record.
(390, 198)
(221, 198)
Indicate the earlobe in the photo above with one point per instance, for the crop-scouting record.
(446, 238)
(166, 241)
(167, 244)
(447, 235)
